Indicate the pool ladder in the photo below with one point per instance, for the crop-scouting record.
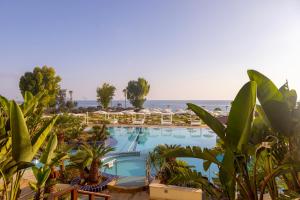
(133, 145)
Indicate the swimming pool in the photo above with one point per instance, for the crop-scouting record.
(144, 140)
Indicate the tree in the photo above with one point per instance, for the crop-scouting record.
(105, 94)
(68, 127)
(89, 157)
(63, 103)
(61, 99)
(125, 95)
(137, 91)
(41, 80)
(101, 133)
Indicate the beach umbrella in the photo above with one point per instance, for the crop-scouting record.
(155, 111)
(180, 112)
(101, 112)
(116, 113)
(145, 111)
(167, 110)
(78, 114)
(190, 112)
(128, 112)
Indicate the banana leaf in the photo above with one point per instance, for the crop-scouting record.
(208, 119)
(273, 103)
(21, 143)
(241, 117)
(48, 154)
(39, 138)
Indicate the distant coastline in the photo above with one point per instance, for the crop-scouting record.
(171, 104)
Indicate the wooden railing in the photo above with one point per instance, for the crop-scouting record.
(74, 192)
(92, 195)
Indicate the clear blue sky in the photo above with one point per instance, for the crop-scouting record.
(186, 49)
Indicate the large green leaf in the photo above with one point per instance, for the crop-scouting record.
(241, 117)
(208, 119)
(273, 102)
(39, 138)
(21, 143)
(261, 113)
(48, 153)
(209, 156)
(227, 174)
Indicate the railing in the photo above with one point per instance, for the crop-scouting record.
(92, 195)
(74, 192)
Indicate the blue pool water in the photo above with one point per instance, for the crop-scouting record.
(144, 140)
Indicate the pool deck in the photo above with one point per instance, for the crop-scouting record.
(116, 195)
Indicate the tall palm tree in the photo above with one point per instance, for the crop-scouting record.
(71, 95)
(125, 95)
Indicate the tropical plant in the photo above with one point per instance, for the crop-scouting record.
(101, 133)
(41, 175)
(105, 94)
(137, 91)
(68, 127)
(50, 158)
(238, 153)
(41, 80)
(18, 144)
(166, 167)
(88, 159)
(281, 115)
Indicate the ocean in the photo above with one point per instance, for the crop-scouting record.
(171, 104)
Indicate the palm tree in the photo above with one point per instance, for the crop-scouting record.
(71, 95)
(89, 156)
(125, 95)
(165, 166)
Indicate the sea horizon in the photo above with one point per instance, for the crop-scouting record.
(163, 104)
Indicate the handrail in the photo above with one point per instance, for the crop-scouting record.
(92, 195)
(73, 190)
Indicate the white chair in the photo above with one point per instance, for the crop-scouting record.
(168, 121)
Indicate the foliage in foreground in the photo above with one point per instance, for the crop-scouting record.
(18, 145)
(259, 146)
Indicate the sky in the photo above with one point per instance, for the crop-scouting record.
(186, 49)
